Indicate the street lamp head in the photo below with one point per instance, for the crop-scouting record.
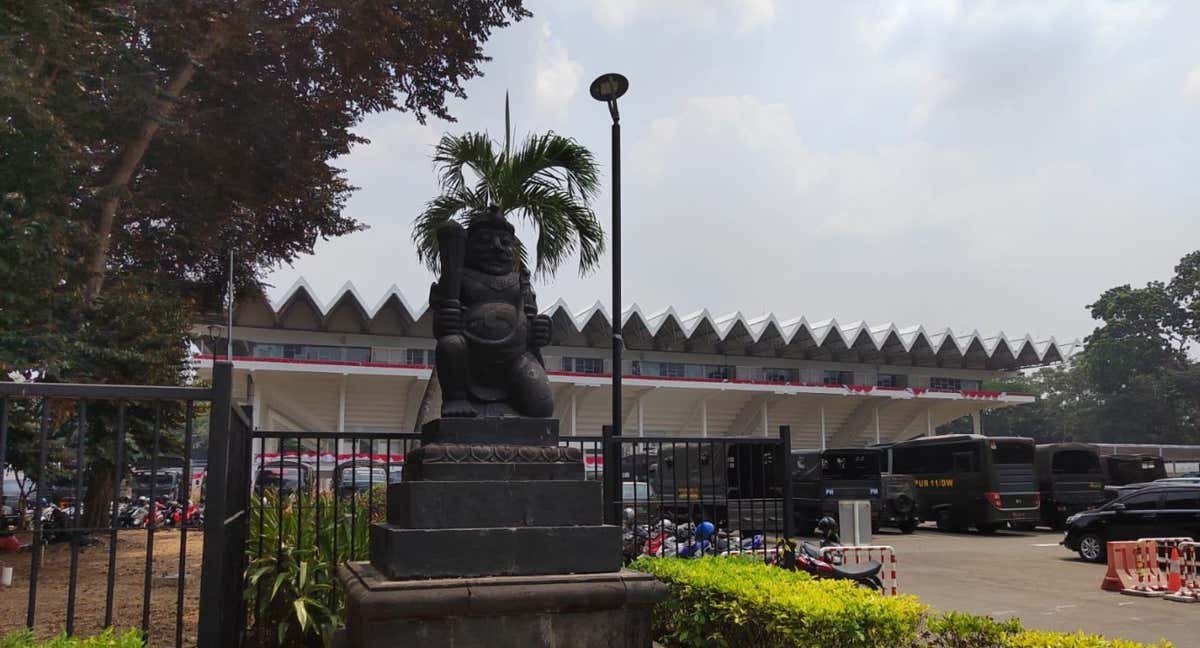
(609, 87)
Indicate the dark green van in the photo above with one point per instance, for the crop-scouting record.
(969, 480)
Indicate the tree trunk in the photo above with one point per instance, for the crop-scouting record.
(433, 390)
(133, 151)
(97, 504)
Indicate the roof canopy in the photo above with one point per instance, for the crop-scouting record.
(699, 332)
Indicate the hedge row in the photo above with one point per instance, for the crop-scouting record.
(107, 639)
(742, 603)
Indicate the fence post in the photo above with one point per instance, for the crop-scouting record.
(612, 475)
(785, 442)
(218, 628)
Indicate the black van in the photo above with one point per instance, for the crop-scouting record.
(1070, 479)
(821, 479)
(1124, 469)
(970, 480)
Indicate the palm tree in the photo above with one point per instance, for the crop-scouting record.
(547, 182)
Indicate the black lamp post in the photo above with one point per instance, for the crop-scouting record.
(608, 88)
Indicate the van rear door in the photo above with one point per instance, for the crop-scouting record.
(1012, 474)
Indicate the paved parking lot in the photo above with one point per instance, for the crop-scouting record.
(1028, 575)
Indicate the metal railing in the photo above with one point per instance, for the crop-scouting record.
(86, 430)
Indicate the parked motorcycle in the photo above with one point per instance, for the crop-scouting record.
(808, 557)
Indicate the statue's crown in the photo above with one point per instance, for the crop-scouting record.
(490, 218)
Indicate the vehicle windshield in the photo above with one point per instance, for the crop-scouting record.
(270, 476)
(1012, 452)
(363, 475)
(850, 466)
(147, 479)
(1076, 462)
(636, 490)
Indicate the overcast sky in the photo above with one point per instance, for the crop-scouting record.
(990, 166)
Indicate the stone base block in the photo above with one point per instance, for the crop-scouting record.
(449, 505)
(579, 610)
(484, 430)
(492, 462)
(401, 553)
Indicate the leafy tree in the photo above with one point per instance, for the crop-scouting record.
(142, 141)
(1137, 380)
(548, 181)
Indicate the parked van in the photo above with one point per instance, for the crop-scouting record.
(1070, 479)
(970, 480)
(821, 479)
(1121, 469)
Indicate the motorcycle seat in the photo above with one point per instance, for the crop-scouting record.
(858, 571)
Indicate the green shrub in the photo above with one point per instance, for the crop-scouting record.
(1040, 639)
(735, 602)
(106, 639)
(743, 603)
(293, 554)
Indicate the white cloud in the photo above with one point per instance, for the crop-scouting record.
(1191, 85)
(707, 14)
(557, 76)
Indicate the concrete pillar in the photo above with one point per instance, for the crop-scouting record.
(704, 418)
(641, 418)
(929, 422)
(766, 430)
(574, 411)
(977, 422)
(876, 424)
(341, 420)
(821, 410)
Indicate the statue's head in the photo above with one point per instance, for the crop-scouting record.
(490, 242)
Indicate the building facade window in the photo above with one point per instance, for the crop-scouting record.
(948, 384)
(832, 377)
(891, 380)
(681, 370)
(583, 365)
(781, 375)
(311, 352)
(421, 357)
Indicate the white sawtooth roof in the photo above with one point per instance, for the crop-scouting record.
(665, 329)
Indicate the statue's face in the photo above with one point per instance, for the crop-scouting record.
(490, 250)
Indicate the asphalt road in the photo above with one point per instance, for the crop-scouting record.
(1029, 576)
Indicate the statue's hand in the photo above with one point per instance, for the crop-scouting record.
(539, 335)
(447, 320)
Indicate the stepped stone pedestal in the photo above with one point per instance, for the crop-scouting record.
(494, 538)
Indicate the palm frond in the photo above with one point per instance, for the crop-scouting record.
(436, 213)
(565, 224)
(456, 152)
(554, 160)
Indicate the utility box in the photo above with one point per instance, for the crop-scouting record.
(854, 521)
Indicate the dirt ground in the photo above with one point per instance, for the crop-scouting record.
(92, 583)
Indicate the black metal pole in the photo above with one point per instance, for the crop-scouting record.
(618, 342)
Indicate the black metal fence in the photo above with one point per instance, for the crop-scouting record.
(662, 489)
(83, 558)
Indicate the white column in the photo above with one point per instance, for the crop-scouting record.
(641, 418)
(929, 421)
(704, 417)
(574, 410)
(765, 429)
(256, 418)
(977, 422)
(876, 424)
(821, 410)
(341, 421)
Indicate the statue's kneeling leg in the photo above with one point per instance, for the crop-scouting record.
(452, 365)
(531, 394)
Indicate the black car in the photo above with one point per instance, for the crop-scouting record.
(1155, 511)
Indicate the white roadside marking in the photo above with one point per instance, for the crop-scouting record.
(1047, 544)
(1004, 613)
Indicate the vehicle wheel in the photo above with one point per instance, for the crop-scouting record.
(1022, 526)
(1092, 548)
(907, 527)
(987, 529)
(945, 520)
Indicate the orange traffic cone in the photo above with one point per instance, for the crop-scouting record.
(1174, 579)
